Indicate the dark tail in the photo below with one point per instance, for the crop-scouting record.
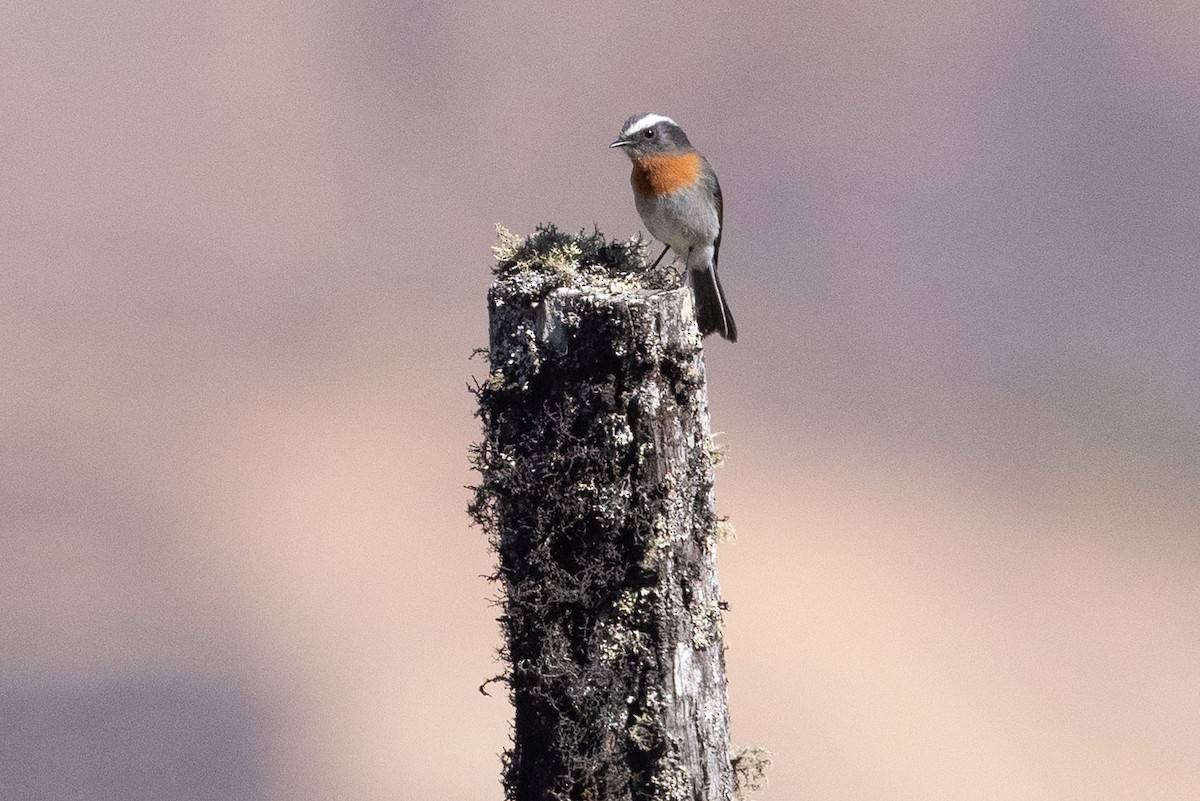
(712, 312)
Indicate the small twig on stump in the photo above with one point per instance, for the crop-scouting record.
(597, 494)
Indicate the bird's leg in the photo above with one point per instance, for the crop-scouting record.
(660, 257)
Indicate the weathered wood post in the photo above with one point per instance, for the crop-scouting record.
(597, 493)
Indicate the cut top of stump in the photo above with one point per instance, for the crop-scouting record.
(547, 283)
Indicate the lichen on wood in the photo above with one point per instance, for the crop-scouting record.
(596, 491)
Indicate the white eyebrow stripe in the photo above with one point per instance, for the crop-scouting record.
(642, 123)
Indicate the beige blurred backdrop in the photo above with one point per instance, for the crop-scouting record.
(245, 255)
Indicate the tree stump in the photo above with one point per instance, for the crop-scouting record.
(596, 492)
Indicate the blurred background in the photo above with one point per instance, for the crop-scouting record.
(245, 253)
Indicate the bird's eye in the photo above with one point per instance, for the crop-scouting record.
(649, 133)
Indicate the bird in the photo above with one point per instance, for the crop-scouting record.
(678, 198)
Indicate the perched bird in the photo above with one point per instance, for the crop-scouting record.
(679, 200)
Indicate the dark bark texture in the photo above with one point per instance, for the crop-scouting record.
(596, 490)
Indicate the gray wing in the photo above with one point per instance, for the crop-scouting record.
(710, 178)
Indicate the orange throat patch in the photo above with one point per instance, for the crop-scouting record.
(654, 176)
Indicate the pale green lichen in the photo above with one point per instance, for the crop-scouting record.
(494, 381)
(506, 249)
(672, 780)
(706, 624)
(633, 599)
(644, 731)
(620, 642)
(716, 450)
(750, 765)
(724, 531)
